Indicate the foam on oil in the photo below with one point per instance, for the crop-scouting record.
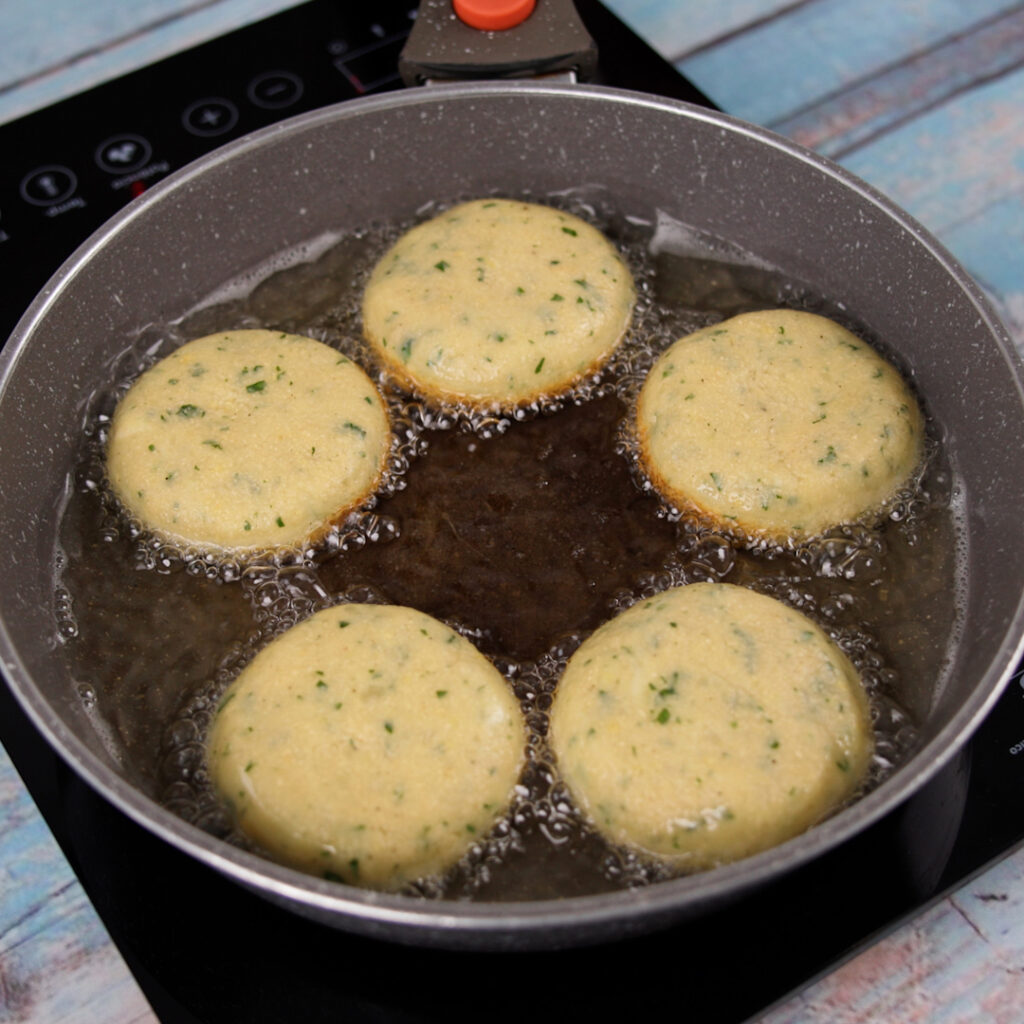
(156, 633)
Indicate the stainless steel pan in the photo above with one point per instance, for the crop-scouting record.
(381, 159)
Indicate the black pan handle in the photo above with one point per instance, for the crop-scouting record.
(552, 40)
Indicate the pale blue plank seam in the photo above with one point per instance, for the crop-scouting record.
(113, 43)
(189, 27)
(924, 53)
(852, 118)
(954, 160)
(1010, 30)
(765, 73)
(754, 23)
(925, 108)
(30, 914)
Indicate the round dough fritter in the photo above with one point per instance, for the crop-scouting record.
(709, 723)
(369, 744)
(778, 423)
(248, 440)
(496, 303)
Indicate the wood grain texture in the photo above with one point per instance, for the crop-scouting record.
(837, 123)
(679, 27)
(817, 49)
(61, 47)
(57, 963)
(958, 963)
(948, 165)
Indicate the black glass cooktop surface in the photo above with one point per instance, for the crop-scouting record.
(204, 949)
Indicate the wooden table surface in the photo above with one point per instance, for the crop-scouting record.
(922, 98)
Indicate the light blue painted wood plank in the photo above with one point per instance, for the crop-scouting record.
(840, 123)
(39, 36)
(120, 45)
(675, 27)
(950, 164)
(57, 963)
(774, 70)
(58, 977)
(958, 963)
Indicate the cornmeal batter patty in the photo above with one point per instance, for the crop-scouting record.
(496, 303)
(248, 440)
(709, 723)
(369, 744)
(778, 423)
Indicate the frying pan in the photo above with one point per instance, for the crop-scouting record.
(384, 158)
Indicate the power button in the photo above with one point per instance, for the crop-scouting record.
(48, 185)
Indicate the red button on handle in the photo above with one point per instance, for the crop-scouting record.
(492, 15)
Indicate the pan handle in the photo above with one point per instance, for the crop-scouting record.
(550, 41)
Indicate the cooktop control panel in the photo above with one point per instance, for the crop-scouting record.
(70, 167)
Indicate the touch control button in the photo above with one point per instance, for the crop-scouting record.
(123, 153)
(275, 89)
(49, 185)
(209, 117)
